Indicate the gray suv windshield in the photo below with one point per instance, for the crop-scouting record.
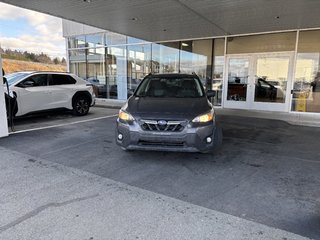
(187, 87)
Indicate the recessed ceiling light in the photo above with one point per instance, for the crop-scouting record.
(134, 19)
(185, 44)
(164, 30)
(87, 1)
(277, 17)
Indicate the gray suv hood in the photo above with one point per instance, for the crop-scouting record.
(169, 108)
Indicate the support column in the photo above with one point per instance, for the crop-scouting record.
(3, 112)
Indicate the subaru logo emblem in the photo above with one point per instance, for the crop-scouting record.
(162, 122)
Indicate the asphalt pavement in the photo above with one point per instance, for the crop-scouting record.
(266, 172)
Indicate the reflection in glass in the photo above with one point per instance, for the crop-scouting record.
(238, 71)
(306, 89)
(132, 40)
(95, 40)
(115, 39)
(96, 72)
(77, 62)
(218, 70)
(77, 42)
(195, 57)
(165, 57)
(117, 73)
(271, 80)
(139, 64)
(276, 42)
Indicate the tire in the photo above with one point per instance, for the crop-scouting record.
(81, 105)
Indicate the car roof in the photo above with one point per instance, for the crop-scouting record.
(178, 75)
(26, 72)
(48, 72)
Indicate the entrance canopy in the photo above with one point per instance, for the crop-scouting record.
(159, 20)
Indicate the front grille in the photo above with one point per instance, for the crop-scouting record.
(162, 144)
(170, 126)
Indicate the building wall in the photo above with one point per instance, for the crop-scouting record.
(116, 64)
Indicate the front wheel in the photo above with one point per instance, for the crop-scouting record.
(81, 106)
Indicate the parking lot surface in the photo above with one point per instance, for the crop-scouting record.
(58, 118)
(266, 171)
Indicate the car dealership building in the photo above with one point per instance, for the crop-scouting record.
(273, 71)
(256, 55)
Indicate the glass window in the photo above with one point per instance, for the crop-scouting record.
(271, 78)
(218, 69)
(165, 57)
(237, 79)
(38, 80)
(139, 64)
(277, 42)
(78, 54)
(306, 90)
(196, 56)
(77, 42)
(115, 39)
(132, 40)
(13, 78)
(78, 63)
(164, 87)
(95, 40)
(79, 68)
(96, 71)
(117, 73)
(61, 79)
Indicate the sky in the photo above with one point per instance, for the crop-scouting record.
(31, 31)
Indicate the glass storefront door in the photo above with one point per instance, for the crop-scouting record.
(238, 81)
(258, 81)
(271, 78)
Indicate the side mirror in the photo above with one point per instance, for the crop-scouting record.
(4, 80)
(25, 84)
(28, 83)
(211, 93)
(130, 92)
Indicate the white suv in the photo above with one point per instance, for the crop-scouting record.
(40, 91)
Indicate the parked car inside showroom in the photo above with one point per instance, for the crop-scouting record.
(99, 89)
(42, 91)
(169, 112)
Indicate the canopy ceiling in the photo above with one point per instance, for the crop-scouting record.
(159, 20)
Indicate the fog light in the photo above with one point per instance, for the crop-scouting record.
(209, 139)
(120, 136)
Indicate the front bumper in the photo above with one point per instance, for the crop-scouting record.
(93, 100)
(190, 139)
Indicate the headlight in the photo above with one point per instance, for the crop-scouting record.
(204, 118)
(125, 116)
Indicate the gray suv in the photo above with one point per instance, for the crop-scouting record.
(169, 112)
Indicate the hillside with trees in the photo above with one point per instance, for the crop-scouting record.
(15, 60)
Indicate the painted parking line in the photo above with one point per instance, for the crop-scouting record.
(63, 124)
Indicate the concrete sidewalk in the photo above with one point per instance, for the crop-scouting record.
(45, 200)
